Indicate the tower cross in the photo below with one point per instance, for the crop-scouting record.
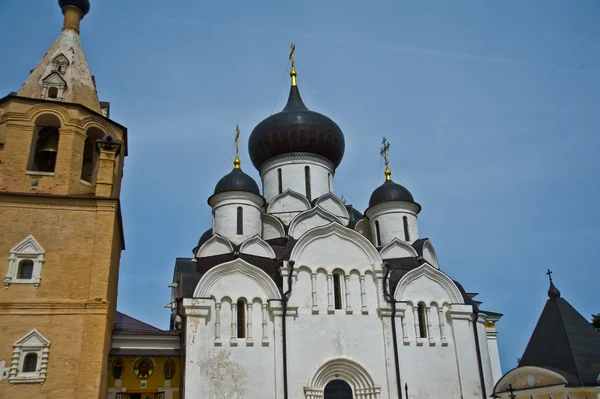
(236, 162)
(549, 273)
(293, 70)
(385, 149)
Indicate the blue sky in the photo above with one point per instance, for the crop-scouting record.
(492, 109)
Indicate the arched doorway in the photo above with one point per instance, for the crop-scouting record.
(338, 389)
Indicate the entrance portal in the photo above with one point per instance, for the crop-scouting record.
(338, 389)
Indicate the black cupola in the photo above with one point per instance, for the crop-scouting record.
(83, 5)
(236, 180)
(390, 191)
(296, 129)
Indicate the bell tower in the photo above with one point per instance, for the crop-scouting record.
(61, 165)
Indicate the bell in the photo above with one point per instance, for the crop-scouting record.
(48, 141)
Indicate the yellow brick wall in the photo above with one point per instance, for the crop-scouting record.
(75, 304)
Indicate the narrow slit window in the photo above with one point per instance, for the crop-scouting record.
(279, 181)
(422, 320)
(377, 233)
(25, 270)
(329, 182)
(337, 291)
(307, 182)
(240, 220)
(241, 319)
(406, 233)
(30, 363)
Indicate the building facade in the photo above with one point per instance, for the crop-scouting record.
(61, 163)
(295, 294)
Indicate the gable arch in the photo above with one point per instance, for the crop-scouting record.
(429, 254)
(95, 121)
(429, 277)
(347, 249)
(216, 245)
(332, 204)
(287, 204)
(342, 368)
(310, 219)
(271, 227)
(529, 377)
(258, 247)
(245, 272)
(56, 110)
(398, 249)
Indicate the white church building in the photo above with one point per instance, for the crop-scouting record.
(294, 294)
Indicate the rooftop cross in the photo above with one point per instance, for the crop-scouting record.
(385, 153)
(291, 58)
(236, 162)
(549, 273)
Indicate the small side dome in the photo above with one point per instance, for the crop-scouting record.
(83, 5)
(237, 180)
(203, 238)
(390, 191)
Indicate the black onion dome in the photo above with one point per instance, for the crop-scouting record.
(236, 180)
(390, 191)
(296, 129)
(553, 292)
(83, 5)
(203, 238)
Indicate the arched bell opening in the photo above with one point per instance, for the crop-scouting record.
(89, 164)
(44, 145)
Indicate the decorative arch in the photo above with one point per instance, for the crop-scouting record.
(278, 205)
(398, 249)
(94, 121)
(342, 368)
(271, 227)
(363, 226)
(216, 245)
(334, 205)
(310, 219)
(435, 276)
(528, 377)
(334, 230)
(429, 254)
(258, 247)
(58, 111)
(236, 267)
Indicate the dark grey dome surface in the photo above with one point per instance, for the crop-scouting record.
(203, 238)
(296, 129)
(236, 180)
(83, 5)
(390, 191)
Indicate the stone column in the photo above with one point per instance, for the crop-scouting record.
(330, 308)
(218, 323)
(347, 292)
(265, 337)
(428, 323)
(315, 303)
(249, 341)
(441, 317)
(363, 296)
(233, 340)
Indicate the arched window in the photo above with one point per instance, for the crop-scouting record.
(329, 182)
(241, 318)
(240, 220)
(307, 181)
(30, 363)
(337, 290)
(337, 389)
(46, 148)
(422, 320)
(377, 234)
(52, 92)
(279, 181)
(406, 234)
(89, 160)
(25, 271)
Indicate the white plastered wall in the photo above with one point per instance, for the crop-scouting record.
(391, 223)
(225, 209)
(293, 175)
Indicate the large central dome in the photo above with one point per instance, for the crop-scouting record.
(296, 129)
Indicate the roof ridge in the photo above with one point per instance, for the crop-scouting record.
(564, 328)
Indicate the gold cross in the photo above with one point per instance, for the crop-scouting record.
(292, 50)
(236, 162)
(385, 149)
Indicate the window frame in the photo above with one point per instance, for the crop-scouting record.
(31, 343)
(28, 249)
(241, 332)
(338, 294)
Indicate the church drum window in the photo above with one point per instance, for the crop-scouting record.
(279, 181)
(46, 148)
(422, 320)
(406, 234)
(337, 389)
(377, 233)
(240, 220)
(337, 291)
(30, 363)
(25, 271)
(241, 319)
(307, 182)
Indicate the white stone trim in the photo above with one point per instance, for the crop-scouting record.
(258, 247)
(342, 368)
(432, 273)
(32, 342)
(295, 229)
(221, 246)
(343, 212)
(273, 222)
(397, 243)
(28, 249)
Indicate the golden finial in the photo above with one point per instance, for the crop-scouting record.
(385, 152)
(293, 71)
(236, 161)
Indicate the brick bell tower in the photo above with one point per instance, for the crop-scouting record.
(61, 165)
